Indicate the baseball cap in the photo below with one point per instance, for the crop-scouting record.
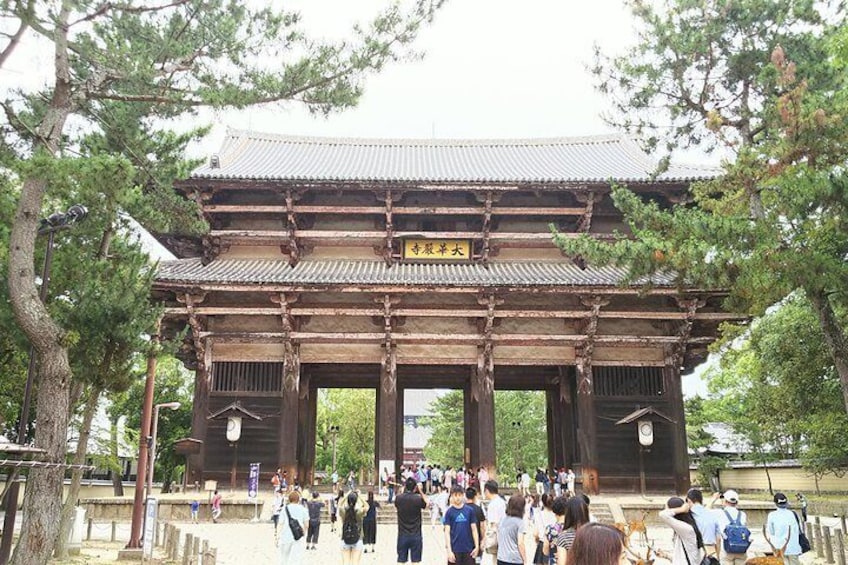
(731, 496)
(780, 499)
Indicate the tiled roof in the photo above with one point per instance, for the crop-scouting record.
(252, 155)
(338, 272)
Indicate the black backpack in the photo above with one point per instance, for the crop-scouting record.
(350, 531)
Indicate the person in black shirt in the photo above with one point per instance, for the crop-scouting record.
(471, 501)
(409, 506)
(369, 523)
(314, 506)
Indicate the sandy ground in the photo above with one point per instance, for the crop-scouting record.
(254, 544)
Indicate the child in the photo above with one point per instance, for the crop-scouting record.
(461, 538)
(195, 510)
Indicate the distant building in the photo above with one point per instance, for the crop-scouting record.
(416, 407)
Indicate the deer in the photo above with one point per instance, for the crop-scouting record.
(648, 559)
(776, 558)
(632, 527)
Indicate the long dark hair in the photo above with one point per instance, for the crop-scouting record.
(350, 513)
(576, 513)
(596, 544)
(686, 517)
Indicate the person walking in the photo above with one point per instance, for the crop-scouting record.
(570, 479)
(707, 522)
(495, 512)
(802, 500)
(291, 549)
(369, 523)
(728, 515)
(460, 525)
(195, 511)
(438, 505)
(351, 512)
(598, 544)
(783, 528)
(390, 485)
(549, 546)
(409, 505)
(542, 519)
(314, 506)
(471, 502)
(541, 478)
(334, 509)
(216, 507)
(276, 508)
(511, 529)
(576, 516)
(687, 537)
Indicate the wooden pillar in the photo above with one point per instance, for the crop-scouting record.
(556, 429)
(567, 425)
(680, 457)
(389, 421)
(469, 419)
(287, 452)
(202, 383)
(587, 435)
(307, 421)
(482, 410)
(289, 419)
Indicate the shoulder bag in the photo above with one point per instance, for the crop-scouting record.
(294, 525)
(803, 540)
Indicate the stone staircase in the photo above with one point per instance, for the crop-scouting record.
(602, 513)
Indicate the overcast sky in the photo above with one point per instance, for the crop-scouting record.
(491, 69)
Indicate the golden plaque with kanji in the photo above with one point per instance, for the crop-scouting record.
(437, 249)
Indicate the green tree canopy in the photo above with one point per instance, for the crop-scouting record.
(779, 390)
(520, 434)
(765, 80)
(353, 411)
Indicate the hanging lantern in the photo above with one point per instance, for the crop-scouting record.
(233, 428)
(646, 432)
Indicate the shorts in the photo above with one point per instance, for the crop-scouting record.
(409, 548)
(352, 546)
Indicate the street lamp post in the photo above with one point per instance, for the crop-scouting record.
(334, 431)
(49, 226)
(516, 430)
(172, 406)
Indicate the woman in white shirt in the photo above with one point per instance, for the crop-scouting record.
(292, 550)
(687, 538)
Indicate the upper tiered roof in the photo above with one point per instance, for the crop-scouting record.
(248, 155)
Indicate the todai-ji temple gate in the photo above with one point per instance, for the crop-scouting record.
(399, 265)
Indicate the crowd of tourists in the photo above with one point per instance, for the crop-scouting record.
(483, 527)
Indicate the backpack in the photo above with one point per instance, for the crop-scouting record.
(737, 536)
(350, 532)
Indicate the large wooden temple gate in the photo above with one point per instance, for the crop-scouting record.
(397, 265)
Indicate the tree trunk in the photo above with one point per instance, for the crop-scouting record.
(834, 336)
(90, 409)
(43, 497)
(117, 476)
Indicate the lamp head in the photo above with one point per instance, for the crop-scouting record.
(171, 405)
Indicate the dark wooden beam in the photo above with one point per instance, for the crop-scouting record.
(400, 210)
(452, 312)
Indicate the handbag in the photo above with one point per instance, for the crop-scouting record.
(803, 540)
(707, 560)
(490, 544)
(294, 525)
(539, 558)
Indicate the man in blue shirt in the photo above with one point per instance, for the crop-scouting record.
(783, 529)
(461, 537)
(706, 520)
